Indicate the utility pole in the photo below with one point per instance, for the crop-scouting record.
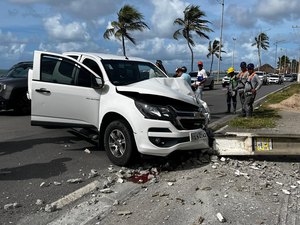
(220, 46)
(298, 78)
(275, 64)
(234, 39)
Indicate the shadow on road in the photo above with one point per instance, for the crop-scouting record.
(37, 170)
(10, 147)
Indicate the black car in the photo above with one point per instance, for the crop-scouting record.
(13, 88)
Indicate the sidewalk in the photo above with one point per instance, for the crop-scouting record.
(289, 123)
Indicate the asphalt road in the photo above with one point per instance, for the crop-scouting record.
(30, 156)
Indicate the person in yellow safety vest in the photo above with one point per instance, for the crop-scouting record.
(252, 85)
(242, 78)
(231, 90)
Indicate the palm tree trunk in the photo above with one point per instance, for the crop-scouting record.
(212, 61)
(259, 59)
(123, 45)
(192, 53)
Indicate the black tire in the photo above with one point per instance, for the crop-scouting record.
(119, 143)
(22, 105)
(211, 86)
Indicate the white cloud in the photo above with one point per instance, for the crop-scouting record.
(65, 32)
(278, 10)
(162, 24)
(10, 45)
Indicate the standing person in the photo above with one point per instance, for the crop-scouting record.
(242, 78)
(231, 90)
(160, 65)
(180, 73)
(252, 85)
(201, 78)
(184, 69)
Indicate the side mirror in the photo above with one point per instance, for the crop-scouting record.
(99, 82)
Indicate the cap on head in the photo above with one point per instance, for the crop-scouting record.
(230, 70)
(243, 65)
(250, 66)
(200, 63)
(184, 69)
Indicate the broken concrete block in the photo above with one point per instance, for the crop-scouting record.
(124, 213)
(50, 208)
(75, 180)
(39, 202)
(87, 151)
(221, 218)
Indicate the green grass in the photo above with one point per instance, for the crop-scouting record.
(264, 116)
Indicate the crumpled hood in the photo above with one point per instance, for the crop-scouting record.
(175, 88)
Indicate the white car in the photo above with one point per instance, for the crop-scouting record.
(262, 76)
(115, 96)
(275, 79)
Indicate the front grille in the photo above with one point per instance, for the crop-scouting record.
(189, 120)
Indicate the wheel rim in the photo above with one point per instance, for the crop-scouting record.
(117, 143)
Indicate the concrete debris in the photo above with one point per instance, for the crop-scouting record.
(44, 184)
(12, 206)
(93, 173)
(50, 208)
(106, 191)
(173, 180)
(39, 202)
(74, 181)
(56, 183)
(298, 182)
(221, 218)
(87, 151)
(238, 173)
(170, 183)
(116, 202)
(254, 167)
(223, 159)
(279, 183)
(120, 180)
(111, 169)
(124, 213)
(286, 192)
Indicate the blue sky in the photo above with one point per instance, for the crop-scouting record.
(78, 25)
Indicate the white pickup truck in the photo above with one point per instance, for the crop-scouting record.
(132, 104)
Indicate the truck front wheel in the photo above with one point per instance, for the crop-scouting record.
(119, 143)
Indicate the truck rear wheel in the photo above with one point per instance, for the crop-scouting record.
(119, 143)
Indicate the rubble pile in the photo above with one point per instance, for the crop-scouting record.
(222, 189)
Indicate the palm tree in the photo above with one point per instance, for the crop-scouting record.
(129, 19)
(192, 22)
(213, 50)
(261, 41)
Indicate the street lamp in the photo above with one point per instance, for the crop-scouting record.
(234, 39)
(220, 43)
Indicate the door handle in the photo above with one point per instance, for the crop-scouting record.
(42, 90)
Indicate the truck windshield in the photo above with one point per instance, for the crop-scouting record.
(122, 72)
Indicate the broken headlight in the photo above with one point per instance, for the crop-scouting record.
(155, 111)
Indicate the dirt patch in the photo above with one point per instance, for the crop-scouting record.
(291, 104)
